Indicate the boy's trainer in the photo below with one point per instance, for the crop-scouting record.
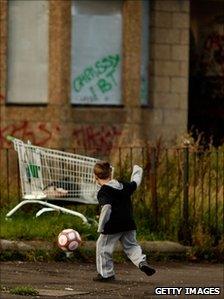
(144, 267)
(100, 278)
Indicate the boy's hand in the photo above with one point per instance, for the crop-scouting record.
(137, 174)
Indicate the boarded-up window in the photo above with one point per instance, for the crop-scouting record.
(27, 81)
(96, 52)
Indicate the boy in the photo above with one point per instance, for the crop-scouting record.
(116, 221)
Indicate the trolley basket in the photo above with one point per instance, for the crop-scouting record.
(49, 177)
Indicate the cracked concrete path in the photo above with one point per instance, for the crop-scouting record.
(74, 280)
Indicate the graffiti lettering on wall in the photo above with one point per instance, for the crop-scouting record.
(94, 138)
(96, 79)
(100, 138)
(39, 135)
(2, 98)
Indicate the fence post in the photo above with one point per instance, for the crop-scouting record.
(185, 227)
(154, 188)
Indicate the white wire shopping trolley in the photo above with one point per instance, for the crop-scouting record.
(53, 176)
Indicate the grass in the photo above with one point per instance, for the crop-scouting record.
(205, 200)
(24, 291)
(25, 226)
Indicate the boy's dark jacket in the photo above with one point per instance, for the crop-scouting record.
(121, 217)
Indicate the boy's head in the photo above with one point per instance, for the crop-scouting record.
(102, 171)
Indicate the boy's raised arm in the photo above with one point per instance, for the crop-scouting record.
(136, 175)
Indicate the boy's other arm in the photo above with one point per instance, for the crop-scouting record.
(104, 217)
(136, 175)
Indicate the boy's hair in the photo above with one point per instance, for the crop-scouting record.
(102, 170)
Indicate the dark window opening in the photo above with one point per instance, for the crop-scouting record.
(206, 82)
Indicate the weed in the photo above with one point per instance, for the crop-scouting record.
(3, 288)
(158, 204)
(24, 291)
(24, 226)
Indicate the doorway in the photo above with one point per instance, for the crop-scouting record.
(206, 81)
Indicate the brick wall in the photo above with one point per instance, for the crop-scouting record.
(61, 125)
(169, 69)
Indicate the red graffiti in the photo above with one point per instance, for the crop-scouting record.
(2, 98)
(38, 136)
(96, 138)
(44, 140)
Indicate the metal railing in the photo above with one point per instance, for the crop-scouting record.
(182, 192)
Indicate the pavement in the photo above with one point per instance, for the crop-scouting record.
(74, 280)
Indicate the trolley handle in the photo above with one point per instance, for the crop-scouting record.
(10, 138)
(15, 141)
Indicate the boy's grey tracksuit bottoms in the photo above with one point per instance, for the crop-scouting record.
(105, 247)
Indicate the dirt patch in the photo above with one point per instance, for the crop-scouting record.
(74, 280)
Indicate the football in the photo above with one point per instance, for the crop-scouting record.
(68, 240)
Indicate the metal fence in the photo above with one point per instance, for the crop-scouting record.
(181, 196)
(187, 192)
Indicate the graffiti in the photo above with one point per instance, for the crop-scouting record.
(104, 86)
(98, 78)
(2, 98)
(99, 138)
(39, 136)
(105, 66)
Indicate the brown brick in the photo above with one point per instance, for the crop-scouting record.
(174, 116)
(168, 133)
(183, 101)
(96, 115)
(167, 36)
(179, 85)
(180, 52)
(161, 52)
(160, 84)
(172, 5)
(181, 20)
(162, 19)
(166, 68)
(166, 100)
(185, 6)
(184, 68)
(184, 37)
(152, 116)
(60, 124)
(136, 116)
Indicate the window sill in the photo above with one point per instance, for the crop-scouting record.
(83, 106)
(26, 104)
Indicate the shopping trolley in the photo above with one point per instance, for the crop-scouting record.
(49, 177)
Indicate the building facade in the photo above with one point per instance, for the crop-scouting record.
(94, 74)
